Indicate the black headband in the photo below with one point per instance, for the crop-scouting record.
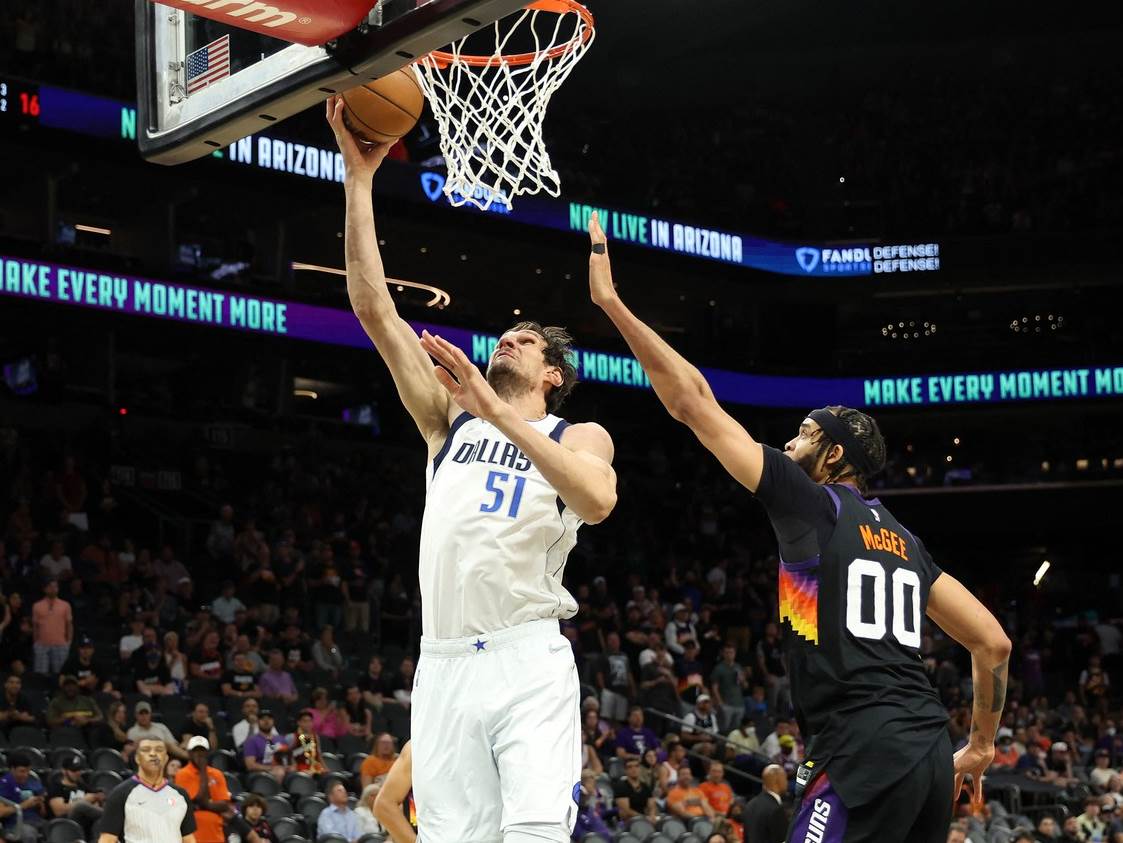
(840, 434)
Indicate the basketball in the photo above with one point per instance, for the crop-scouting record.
(385, 109)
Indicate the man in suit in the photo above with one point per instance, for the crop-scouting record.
(765, 819)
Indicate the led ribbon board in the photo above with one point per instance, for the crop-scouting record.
(70, 286)
(88, 114)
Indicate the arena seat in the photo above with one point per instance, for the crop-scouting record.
(277, 807)
(107, 758)
(332, 838)
(702, 827)
(355, 761)
(641, 827)
(372, 838)
(27, 736)
(673, 827)
(263, 784)
(688, 837)
(224, 759)
(233, 783)
(105, 780)
(63, 830)
(594, 837)
(35, 755)
(351, 744)
(68, 737)
(300, 784)
(288, 827)
(660, 837)
(311, 807)
(334, 762)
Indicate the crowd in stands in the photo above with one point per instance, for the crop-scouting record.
(285, 643)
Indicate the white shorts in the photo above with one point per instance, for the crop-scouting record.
(496, 735)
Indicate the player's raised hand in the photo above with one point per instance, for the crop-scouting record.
(359, 159)
(459, 375)
(601, 287)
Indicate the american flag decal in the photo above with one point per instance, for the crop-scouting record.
(208, 64)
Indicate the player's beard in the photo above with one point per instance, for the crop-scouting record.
(507, 381)
(807, 462)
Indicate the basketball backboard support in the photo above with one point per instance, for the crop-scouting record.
(204, 83)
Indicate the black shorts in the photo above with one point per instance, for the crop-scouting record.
(916, 809)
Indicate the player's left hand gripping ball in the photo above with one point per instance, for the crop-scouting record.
(465, 385)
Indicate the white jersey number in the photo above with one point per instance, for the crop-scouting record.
(905, 602)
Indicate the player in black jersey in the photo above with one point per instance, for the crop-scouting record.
(854, 586)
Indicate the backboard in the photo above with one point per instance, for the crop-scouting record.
(203, 82)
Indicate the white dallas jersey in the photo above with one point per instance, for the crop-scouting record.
(495, 535)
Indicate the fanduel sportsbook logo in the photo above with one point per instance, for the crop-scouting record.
(433, 184)
(808, 258)
(251, 12)
(855, 260)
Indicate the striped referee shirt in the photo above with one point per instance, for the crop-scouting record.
(136, 813)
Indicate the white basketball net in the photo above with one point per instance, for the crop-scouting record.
(490, 114)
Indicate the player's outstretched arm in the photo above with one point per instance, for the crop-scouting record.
(679, 385)
(579, 467)
(960, 614)
(392, 795)
(395, 340)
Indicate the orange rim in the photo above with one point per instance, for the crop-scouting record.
(559, 7)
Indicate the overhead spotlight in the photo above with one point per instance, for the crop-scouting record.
(93, 229)
(401, 289)
(424, 250)
(463, 257)
(956, 440)
(381, 242)
(305, 393)
(948, 458)
(517, 312)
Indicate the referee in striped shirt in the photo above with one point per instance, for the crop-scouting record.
(148, 808)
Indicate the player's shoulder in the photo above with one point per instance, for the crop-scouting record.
(587, 436)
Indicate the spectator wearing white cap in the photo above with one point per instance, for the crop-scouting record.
(700, 726)
(679, 629)
(206, 787)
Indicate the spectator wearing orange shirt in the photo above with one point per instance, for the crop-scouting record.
(717, 790)
(379, 762)
(206, 787)
(53, 630)
(685, 800)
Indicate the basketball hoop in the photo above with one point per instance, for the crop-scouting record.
(490, 108)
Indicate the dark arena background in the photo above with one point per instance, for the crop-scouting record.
(916, 212)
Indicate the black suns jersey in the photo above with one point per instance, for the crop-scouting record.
(853, 591)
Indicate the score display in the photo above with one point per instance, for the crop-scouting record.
(19, 99)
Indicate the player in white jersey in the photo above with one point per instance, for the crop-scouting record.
(495, 721)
